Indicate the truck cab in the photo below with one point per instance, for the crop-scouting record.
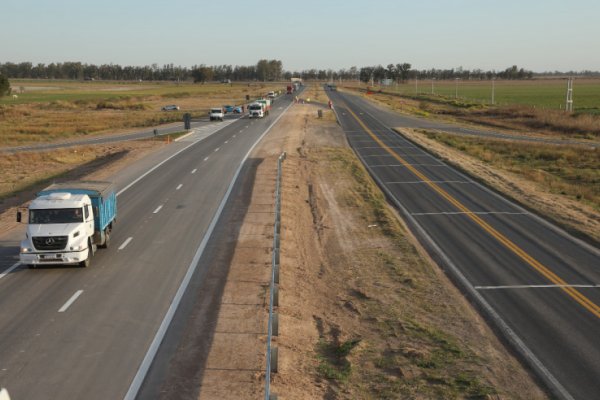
(66, 225)
(256, 110)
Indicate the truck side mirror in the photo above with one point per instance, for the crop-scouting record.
(19, 216)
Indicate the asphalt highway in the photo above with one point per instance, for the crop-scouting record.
(73, 333)
(538, 286)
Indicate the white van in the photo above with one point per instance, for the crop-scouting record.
(216, 113)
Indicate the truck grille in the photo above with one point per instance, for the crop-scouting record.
(50, 242)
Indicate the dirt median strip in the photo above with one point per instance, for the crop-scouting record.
(363, 313)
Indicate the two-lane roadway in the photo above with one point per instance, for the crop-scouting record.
(73, 333)
(539, 286)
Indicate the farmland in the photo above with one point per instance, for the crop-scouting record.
(57, 110)
(539, 93)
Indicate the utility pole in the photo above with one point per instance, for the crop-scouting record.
(456, 88)
(432, 90)
(493, 90)
(569, 104)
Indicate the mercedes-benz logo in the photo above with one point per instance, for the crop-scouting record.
(49, 241)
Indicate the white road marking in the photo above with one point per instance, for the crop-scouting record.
(125, 243)
(217, 149)
(391, 147)
(410, 182)
(242, 130)
(179, 186)
(534, 287)
(402, 165)
(160, 334)
(70, 301)
(392, 155)
(194, 170)
(9, 270)
(472, 212)
(157, 209)
(227, 141)
(233, 135)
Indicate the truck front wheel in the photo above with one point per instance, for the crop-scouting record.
(86, 263)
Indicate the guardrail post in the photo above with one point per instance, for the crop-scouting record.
(273, 325)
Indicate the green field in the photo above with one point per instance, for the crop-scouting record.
(542, 93)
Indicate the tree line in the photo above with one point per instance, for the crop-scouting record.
(264, 70)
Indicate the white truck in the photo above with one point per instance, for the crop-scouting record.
(256, 110)
(68, 222)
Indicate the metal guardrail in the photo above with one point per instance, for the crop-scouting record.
(273, 327)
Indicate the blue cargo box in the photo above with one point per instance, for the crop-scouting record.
(102, 195)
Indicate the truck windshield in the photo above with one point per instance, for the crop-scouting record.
(254, 108)
(55, 216)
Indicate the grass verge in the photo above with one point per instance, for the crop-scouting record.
(571, 171)
(416, 338)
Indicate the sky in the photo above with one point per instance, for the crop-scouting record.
(544, 35)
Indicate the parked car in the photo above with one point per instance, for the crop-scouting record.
(228, 109)
(238, 110)
(171, 107)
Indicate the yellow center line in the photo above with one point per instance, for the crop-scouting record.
(542, 269)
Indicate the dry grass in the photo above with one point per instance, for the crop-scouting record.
(72, 110)
(404, 334)
(566, 170)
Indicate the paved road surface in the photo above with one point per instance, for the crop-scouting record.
(539, 286)
(71, 333)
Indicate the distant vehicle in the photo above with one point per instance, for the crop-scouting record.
(256, 110)
(289, 89)
(171, 107)
(271, 95)
(228, 109)
(67, 222)
(237, 110)
(216, 114)
(266, 105)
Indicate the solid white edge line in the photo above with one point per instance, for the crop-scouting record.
(70, 301)
(157, 209)
(125, 243)
(537, 287)
(471, 213)
(136, 384)
(9, 269)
